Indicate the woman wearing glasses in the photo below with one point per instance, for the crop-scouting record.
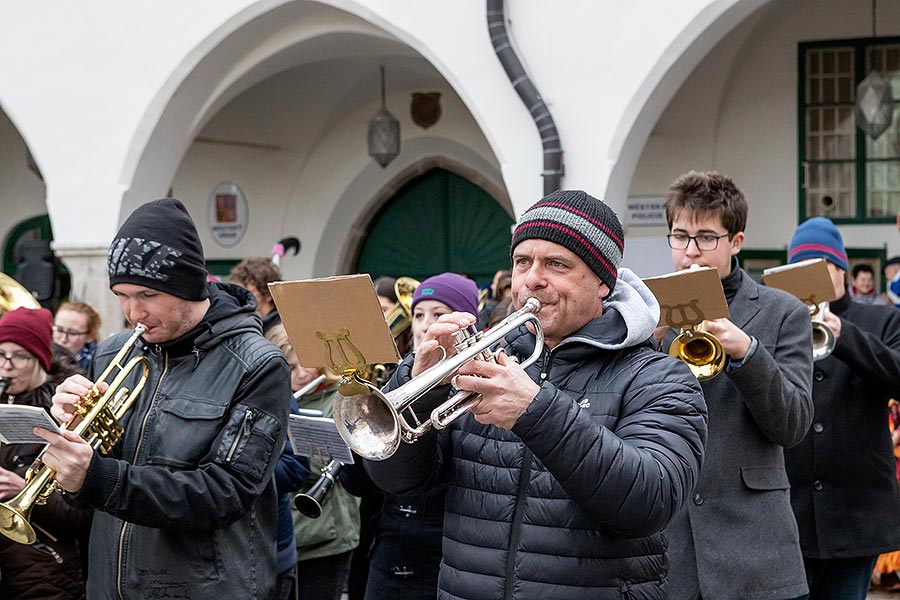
(30, 371)
(75, 328)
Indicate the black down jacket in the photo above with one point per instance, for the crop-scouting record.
(570, 503)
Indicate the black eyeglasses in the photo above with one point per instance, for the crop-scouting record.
(17, 360)
(705, 243)
(68, 332)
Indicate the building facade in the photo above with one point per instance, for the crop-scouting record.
(255, 114)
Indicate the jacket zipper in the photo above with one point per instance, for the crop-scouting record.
(246, 426)
(524, 477)
(521, 494)
(137, 450)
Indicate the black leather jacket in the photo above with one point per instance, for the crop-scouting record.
(186, 504)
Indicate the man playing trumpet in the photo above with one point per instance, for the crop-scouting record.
(843, 480)
(737, 538)
(185, 502)
(563, 475)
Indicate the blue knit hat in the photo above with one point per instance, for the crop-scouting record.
(456, 291)
(818, 238)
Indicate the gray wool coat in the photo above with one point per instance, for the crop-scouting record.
(737, 537)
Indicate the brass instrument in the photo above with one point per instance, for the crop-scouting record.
(98, 419)
(311, 501)
(822, 338)
(700, 351)
(373, 424)
(13, 295)
(400, 317)
(399, 320)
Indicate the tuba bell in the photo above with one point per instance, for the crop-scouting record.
(14, 295)
(373, 424)
(98, 419)
(700, 351)
(822, 336)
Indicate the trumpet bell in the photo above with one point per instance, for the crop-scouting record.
(368, 422)
(822, 336)
(823, 340)
(14, 524)
(701, 352)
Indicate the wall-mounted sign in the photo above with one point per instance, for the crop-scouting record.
(227, 214)
(646, 211)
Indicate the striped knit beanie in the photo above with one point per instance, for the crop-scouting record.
(818, 238)
(581, 223)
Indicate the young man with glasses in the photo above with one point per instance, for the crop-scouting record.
(737, 538)
(51, 567)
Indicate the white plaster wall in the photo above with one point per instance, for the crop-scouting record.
(118, 66)
(297, 192)
(737, 113)
(21, 192)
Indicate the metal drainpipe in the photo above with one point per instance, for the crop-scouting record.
(553, 163)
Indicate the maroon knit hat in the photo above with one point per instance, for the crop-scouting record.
(30, 328)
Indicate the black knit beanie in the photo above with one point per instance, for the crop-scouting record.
(581, 223)
(158, 247)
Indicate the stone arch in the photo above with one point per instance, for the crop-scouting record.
(255, 43)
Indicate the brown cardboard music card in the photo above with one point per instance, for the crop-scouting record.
(808, 280)
(689, 297)
(335, 322)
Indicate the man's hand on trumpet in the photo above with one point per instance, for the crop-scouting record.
(506, 390)
(68, 454)
(438, 336)
(735, 343)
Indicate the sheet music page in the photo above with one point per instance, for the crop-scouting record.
(318, 437)
(17, 422)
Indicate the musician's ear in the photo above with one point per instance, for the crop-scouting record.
(737, 241)
(604, 291)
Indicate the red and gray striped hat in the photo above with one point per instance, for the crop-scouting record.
(581, 223)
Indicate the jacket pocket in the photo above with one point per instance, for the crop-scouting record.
(188, 427)
(249, 441)
(765, 478)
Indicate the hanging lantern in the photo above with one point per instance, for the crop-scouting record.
(384, 133)
(874, 104)
(874, 101)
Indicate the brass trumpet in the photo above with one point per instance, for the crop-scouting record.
(372, 423)
(823, 337)
(700, 351)
(98, 423)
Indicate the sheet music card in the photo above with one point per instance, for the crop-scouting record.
(808, 280)
(17, 422)
(689, 297)
(318, 437)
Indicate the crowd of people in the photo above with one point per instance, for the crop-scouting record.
(603, 469)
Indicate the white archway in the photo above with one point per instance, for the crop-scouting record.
(674, 66)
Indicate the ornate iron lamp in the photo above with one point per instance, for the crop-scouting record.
(874, 101)
(384, 133)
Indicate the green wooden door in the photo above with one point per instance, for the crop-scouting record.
(438, 222)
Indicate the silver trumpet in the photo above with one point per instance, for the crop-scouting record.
(372, 423)
(823, 337)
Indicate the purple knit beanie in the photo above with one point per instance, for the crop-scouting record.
(457, 292)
